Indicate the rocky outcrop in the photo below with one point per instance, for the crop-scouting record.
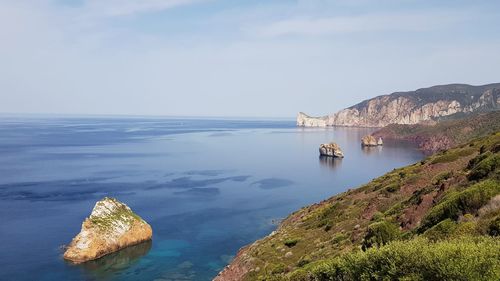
(370, 140)
(331, 149)
(305, 120)
(412, 107)
(110, 227)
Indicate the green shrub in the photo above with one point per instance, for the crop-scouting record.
(303, 261)
(439, 178)
(380, 233)
(466, 258)
(291, 242)
(466, 228)
(459, 203)
(339, 237)
(441, 230)
(392, 187)
(377, 216)
(452, 155)
(483, 168)
(494, 227)
(473, 162)
(277, 268)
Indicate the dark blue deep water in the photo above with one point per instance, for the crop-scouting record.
(207, 187)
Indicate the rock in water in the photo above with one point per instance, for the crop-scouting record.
(331, 149)
(380, 141)
(111, 226)
(369, 140)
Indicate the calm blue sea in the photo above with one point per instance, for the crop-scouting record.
(207, 187)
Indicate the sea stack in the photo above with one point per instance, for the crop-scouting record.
(331, 149)
(111, 226)
(370, 140)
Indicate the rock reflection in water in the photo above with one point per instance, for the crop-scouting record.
(371, 149)
(116, 262)
(330, 162)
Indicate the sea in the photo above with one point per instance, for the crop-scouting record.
(207, 186)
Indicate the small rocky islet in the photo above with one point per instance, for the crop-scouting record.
(330, 149)
(370, 140)
(111, 226)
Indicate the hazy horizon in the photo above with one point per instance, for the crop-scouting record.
(221, 58)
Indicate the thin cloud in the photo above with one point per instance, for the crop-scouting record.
(362, 23)
(115, 8)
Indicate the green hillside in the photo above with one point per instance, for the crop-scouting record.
(438, 219)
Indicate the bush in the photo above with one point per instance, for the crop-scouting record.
(438, 179)
(465, 258)
(459, 203)
(494, 227)
(441, 230)
(339, 237)
(303, 261)
(485, 167)
(392, 187)
(452, 155)
(473, 162)
(377, 216)
(291, 242)
(380, 233)
(277, 269)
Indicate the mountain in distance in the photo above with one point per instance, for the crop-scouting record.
(412, 107)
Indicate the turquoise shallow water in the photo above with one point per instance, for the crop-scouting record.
(207, 187)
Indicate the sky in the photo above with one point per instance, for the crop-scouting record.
(241, 58)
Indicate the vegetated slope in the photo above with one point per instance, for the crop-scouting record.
(444, 134)
(411, 107)
(438, 219)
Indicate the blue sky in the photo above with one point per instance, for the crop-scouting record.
(236, 58)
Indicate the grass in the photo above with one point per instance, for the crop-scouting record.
(122, 213)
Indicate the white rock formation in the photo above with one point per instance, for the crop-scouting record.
(304, 120)
(111, 226)
(331, 149)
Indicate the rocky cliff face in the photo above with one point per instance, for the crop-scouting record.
(111, 226)
(305, 120)
(412, 107)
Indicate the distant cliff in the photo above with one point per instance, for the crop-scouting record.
(411, 107)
